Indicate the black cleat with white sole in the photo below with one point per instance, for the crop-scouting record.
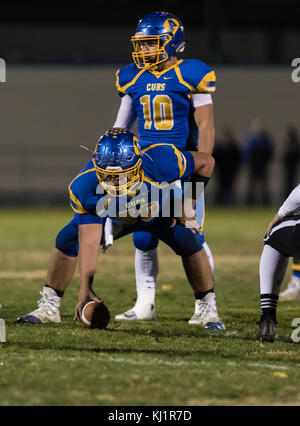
(267, 330)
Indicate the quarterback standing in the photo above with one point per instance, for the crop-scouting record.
(172, 102)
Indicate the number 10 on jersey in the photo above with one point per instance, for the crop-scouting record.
(161, 112)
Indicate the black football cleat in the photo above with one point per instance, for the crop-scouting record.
(267, 330)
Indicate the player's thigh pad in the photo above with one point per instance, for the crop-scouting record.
(182, 240)
(67, 239)
(145, 241)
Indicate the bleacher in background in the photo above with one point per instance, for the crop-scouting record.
(48, 112)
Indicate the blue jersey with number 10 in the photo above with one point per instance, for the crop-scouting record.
(161, 100)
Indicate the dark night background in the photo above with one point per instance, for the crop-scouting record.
(264, 31)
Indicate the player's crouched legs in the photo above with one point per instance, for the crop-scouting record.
(60, 272)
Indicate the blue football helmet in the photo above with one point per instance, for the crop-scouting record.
(118, 161)
(163, 32)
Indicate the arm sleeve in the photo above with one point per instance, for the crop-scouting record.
(126, 116)
(291, 204)
(201, 99)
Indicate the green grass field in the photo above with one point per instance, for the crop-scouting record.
(162, 362)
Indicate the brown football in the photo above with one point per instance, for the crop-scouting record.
(95, 315)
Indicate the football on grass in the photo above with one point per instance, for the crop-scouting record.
(95, 315)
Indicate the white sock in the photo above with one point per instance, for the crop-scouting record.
(272, 268)
(146, 271)
(145, 301)
(210, 257)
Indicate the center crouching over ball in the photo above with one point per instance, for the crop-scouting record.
(95, 315)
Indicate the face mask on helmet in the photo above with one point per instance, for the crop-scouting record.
(149, 51)
(118, 161)
(159, 36)
(118, 182)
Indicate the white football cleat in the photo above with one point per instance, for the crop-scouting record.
(48, 309)
(147, 312)
(292, 291)
(206, 313)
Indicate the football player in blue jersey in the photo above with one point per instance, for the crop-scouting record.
(171, 99)
(134, 188)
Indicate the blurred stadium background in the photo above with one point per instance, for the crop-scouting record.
(60, 89)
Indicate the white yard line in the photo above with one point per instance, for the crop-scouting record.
(261, 365)
(157, 361)
(195, 363)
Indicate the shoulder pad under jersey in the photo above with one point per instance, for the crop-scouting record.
(197, 76)
(82, 187)
(163, 162)
(126, 77)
